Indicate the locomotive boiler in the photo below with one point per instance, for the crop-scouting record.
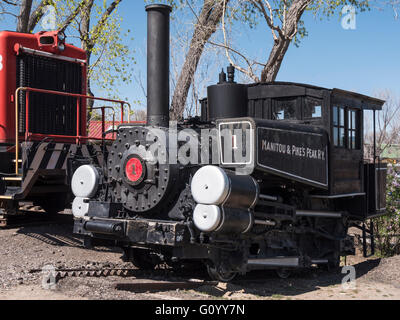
(271, 175)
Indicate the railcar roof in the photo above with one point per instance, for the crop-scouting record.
(368, 103)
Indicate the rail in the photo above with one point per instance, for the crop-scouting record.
(103, 119)
(78, 137)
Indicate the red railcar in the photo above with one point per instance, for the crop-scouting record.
(40, 61)
(42, 120)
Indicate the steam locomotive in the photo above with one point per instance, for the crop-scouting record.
(43, 107)
(271, 175)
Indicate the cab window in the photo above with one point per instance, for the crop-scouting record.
(339, 138)
(353, 129)
(312, 109)
(284, 109)
(346, 127)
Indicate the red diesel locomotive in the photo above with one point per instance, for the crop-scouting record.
(43, 124)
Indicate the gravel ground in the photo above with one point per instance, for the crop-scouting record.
(28, 248)
(387, 271)
(33, 247)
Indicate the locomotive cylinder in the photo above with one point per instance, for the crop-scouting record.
(211, 218)
(212, 185)
(158, 64)
(85, 181)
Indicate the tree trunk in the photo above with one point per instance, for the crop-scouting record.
(274, 63)
(84, 30)
(37, 14)
(281, 45)
(88, 42)
(187, 74)
(206, 25)
(24, 14)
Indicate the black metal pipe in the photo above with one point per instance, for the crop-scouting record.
(105, 227)
(158, 64)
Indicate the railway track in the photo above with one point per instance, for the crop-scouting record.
(117, 272)
(32, 215)
(135, 280)
(138, 280)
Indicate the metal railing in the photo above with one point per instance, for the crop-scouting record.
(78, 137)
(103, 119)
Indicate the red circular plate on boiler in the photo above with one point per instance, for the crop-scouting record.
(134, 169)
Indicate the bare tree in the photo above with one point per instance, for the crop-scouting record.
(387, 125)
(24, 14)
(393, 4)
(7, 8)
(139, 115)
(205, 26)
(210, 64)
(283, 21)
(90, 36)
(27, 19)
(283, 35)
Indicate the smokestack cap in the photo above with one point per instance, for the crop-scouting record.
(158, 6)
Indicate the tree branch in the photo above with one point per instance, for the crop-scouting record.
(249, 72)
(23, 18)
(72, 16)
(97, 29)
(38, 14)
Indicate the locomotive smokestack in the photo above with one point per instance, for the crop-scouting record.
(158, 64)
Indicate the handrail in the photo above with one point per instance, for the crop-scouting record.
(103, 120)
(78, 137)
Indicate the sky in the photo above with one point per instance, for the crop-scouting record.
(365, 60)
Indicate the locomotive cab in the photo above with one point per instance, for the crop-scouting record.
(278, 108)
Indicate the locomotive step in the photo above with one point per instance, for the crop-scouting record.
(6, 198)
(18, 179)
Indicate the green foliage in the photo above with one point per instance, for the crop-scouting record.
(249, 14)
(111, 56)
(112, 59)
(328, 8)
(387, 228)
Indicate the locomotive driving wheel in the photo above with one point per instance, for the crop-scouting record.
(142, 258)
(283, 273)
(220, 275)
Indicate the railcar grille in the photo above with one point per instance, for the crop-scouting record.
(48, 114)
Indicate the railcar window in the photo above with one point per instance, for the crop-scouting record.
(312, 109)
(346, 128)
(285, 109)
(339, 132)
(352, 128)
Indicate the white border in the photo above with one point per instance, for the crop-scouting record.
(251, 143)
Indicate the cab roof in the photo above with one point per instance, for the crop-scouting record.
(286, 89)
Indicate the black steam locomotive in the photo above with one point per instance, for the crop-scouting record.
(271, 176)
